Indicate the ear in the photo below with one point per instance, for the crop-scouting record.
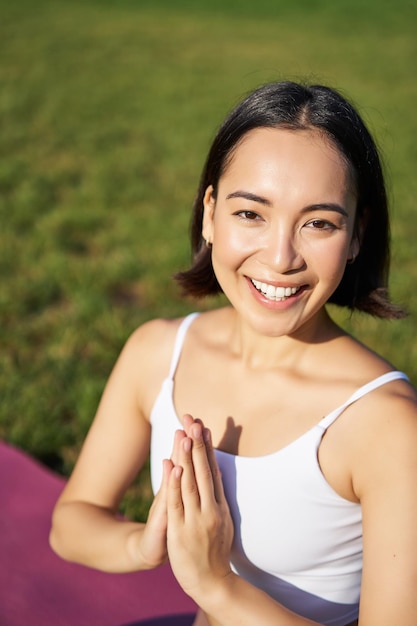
(355, 244)
(354, 247)
(209, 203)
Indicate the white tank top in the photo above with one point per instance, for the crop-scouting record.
(295, 537)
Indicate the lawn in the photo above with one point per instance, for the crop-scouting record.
(106, 112)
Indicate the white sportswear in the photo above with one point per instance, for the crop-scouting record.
(295, 537)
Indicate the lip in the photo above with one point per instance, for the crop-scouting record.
(274, 283)
(276, 304)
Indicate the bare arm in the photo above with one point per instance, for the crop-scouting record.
(86, 528)
(385, 480)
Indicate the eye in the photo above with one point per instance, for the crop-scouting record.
(319, 224)
(248, 215)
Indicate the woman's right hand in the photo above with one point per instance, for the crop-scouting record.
(152, 544)
(153, 538)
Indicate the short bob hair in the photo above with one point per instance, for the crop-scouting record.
(293, 106)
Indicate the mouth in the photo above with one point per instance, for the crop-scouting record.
(277, 294)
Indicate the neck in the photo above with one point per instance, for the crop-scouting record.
(261, 351)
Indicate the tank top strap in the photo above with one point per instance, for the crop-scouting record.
(179, 340)
(359, 393)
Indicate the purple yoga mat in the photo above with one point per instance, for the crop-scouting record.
(39, 589)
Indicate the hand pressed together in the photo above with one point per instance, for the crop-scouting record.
(200, 528)
(153, 542)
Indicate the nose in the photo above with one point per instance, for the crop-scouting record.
(281, 252)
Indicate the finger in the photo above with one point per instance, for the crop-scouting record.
(167, 466)
(187, 422)
(175, 507)
(189, 487)
(159, 502)
(176, 450)
(202, 469)
(214, 467)
(158, 510)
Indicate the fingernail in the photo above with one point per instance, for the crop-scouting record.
(197, 431)
(187, 444)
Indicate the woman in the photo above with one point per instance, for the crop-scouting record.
(282, 450)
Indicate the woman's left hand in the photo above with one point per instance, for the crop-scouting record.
(200, 528)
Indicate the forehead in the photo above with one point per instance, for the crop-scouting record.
(271, 155)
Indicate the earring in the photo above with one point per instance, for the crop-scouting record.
(208, 243)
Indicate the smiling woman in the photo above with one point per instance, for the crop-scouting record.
(283, 217)
(290, 106)
(285, 491)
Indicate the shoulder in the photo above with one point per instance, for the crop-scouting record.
(153, 335)
(150, 343)
(145, 359)
(385, 443)
(356, 364)
(212, 328)
(155, 339)
(390, 410)
(371, 436)
(384, 479)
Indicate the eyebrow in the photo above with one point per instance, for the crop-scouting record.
(247, 195)
(321, 206)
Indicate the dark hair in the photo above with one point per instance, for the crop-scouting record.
(297, 107)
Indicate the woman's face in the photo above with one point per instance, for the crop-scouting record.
(281, 227)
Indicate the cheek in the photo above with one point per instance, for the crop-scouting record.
(225, 254)
(332, 262)
(327, 257)
(232, 246)
(222, 235)
(229, 233)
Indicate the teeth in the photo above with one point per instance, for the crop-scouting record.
(274, 293)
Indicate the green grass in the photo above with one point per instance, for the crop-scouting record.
(106, 112)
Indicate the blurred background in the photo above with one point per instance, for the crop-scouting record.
(107, 109)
